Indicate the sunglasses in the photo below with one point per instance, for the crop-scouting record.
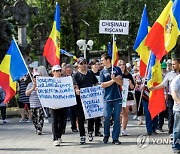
(83, 63)
(57, 70)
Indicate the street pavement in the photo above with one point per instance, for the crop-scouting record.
(20, 138)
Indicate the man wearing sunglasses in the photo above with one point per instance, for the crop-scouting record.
(83, 78)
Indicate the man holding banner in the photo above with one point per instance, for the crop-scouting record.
(111, 80)
(83, 78)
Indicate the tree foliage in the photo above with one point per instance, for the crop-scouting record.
(75, 14)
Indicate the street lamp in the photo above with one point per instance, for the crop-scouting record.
(83, 46)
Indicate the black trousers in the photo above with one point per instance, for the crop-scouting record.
(71, 112)
(96, 122)
(161, 117)
(3, 112)
(170, 103)
(81, 118)
(58, 117)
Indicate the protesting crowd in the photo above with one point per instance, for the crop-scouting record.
(101, 72)
(102, 92)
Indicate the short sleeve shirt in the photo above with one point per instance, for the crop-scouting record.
(112, 92)
(84, 80)
(168, 79)
(33, 98)
(175, 86)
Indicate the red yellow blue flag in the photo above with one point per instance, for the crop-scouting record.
(139, 45)
(156, 97)
(165, 31)
(52, 46)
(12, 68)
(115, 56)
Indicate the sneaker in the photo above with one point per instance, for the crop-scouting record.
(46, 121)
(149, 133)
(74, 130)
(60, 140)
(98, 134)
(4, 122)
(116, 142)
(105, 139)
(171, 136)
(176, 151)
(39, 132)
(22, 121)
(82, 140)
(124, 133)
(90, 137)
(56, 143)
(160, 129)
(134, 117)
(154, 133)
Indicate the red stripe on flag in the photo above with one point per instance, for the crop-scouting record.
(5, 84)
(155, 40)
(156, 102)
(50, 52)
(142, 68)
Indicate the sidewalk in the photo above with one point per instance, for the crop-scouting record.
(19, 138)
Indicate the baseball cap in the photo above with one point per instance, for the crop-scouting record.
(169, 61)
(80, 60)
(35, 74)
(56, 68)
(128, 65)
(163, 65)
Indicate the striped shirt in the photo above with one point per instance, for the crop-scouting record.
(22, 89)
(33, 98)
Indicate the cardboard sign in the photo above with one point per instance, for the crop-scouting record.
(56, 92)
(92, 101)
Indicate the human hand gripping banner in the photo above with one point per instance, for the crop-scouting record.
(56, 92)
(92, 101)
(125, 88)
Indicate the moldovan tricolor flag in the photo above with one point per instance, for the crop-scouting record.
(139, 45)
(156, 97)
(12, 68)
(165, 31)
(52, 46)
(115, 56)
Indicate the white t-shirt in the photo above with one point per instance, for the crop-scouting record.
(175, 86)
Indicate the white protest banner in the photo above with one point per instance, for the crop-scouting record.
(92, 101)
(56, 92)
(125, 88)
(113, 27)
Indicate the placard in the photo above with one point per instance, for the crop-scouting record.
(56, 92)
(125, 88)
(92, 101)
(114, 27)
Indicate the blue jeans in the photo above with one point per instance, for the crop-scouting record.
(112, 108)
(151, 125)
(176, 131)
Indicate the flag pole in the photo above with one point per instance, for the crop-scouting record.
(27, 70)
(112, 54)
(144, 80)
(23, 60)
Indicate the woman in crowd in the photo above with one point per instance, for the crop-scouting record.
(35, 105)
(58, 114)
(130, 98)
